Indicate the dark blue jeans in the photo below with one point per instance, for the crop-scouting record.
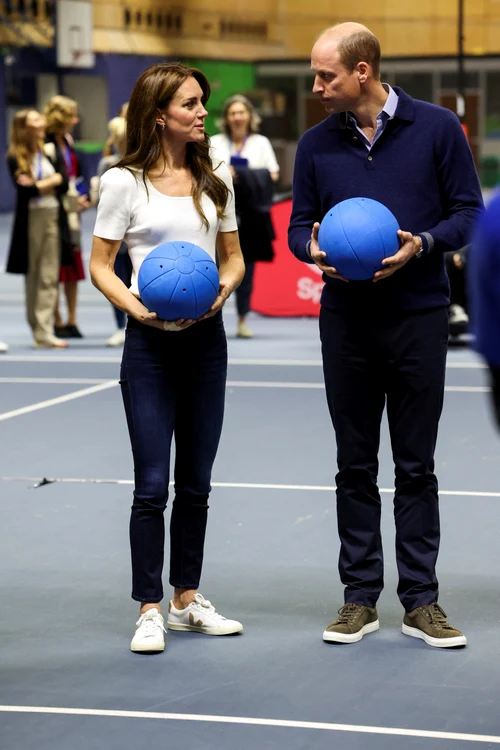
(173, 385)
(371, 360)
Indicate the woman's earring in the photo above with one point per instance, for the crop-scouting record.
(163, 126)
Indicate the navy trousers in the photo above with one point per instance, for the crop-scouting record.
(173, 385)
(371, 361)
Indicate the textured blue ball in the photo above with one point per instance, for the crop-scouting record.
(178, 280)
(356, 235)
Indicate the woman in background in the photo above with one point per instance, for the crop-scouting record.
(117, 146)
(40, 238)
(243, 148)
(61, 114)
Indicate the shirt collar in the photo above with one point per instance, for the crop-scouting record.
(403, 103)
(388, 110)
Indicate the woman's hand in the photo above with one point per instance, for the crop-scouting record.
(83, 203)
(225, 290)
(24, 180)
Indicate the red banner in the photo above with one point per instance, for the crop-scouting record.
(286, 287)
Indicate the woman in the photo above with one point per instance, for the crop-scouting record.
(61, 114)
(173, 374)
(243, 148)
(117, 146)
(40, 238)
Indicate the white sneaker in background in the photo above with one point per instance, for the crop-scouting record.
(458, 320)
(50, 342)
(3, 347)
(200, 617)
(149, 634)
(117, 339)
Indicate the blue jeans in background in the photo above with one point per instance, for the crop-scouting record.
(173, 384)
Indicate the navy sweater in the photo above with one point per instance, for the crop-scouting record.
(421, 168)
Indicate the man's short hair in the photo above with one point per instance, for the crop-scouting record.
(362, 46)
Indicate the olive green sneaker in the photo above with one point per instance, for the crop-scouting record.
(429, 623)
(353, 622)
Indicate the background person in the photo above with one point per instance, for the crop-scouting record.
(40, 237)
(247, 153)
(117, 143)
(173, 374)
(61, 115)
(384, 340)
(484, 293)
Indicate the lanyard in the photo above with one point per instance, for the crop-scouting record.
(68, 161)
(39, 166)
(238, 152)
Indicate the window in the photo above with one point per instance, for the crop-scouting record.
(492, 129)
(417, 85)
(450, 80)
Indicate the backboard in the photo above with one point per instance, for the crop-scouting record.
(74, 34)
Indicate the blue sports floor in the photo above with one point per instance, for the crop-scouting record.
(67, 678)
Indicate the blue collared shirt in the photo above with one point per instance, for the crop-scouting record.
(383, 117)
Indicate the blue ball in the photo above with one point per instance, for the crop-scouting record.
(356, 235)
(178, 280)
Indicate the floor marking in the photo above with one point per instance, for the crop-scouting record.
(59, 400)
(240, 485)
(58, 357)
(233, 384)
(321, 386)
(49, 381)
(251, 721)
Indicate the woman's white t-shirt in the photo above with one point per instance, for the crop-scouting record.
(126, 213)
(257, 149)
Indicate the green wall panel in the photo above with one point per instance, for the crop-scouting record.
(226, 78)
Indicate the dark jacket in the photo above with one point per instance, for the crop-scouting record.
(421, 168)
(18, 253)
(253, 192)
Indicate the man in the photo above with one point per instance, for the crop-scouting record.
(484, 292)
(384, 340)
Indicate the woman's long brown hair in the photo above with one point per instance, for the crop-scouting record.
(154, 90)
(19, 144)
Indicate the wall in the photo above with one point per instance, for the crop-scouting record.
(226, 78)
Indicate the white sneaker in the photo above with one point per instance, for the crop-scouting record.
(458, 320)
(50, 342)
(149, 633)
(3, 347)
(200, 617)
(117, 339)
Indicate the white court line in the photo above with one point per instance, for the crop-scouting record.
(58, 400)
(50, 381)
(235, 384)
(321, 386)
(251, 721)
(241, 485)
(232, 361)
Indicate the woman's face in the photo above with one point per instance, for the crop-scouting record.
(35, 125)
(72, 122)
(238, 119)
(184, 117)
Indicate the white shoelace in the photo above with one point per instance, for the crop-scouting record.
(206, 607)
(149, 623)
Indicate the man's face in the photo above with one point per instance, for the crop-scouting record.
(338, 89)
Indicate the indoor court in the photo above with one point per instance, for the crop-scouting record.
(67, 678)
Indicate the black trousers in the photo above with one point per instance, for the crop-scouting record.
(244, 291)
(458, 282)
(371, 361)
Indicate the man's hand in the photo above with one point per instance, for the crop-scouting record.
(318, 255)
(410, 246)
